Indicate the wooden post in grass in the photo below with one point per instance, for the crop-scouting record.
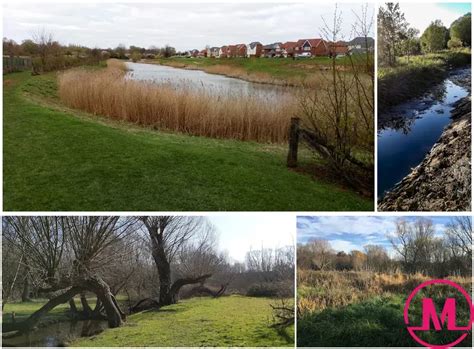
(293, 140)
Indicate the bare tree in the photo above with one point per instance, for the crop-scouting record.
(459, 234)
(173, 240)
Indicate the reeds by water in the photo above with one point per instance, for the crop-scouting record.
(185, 111)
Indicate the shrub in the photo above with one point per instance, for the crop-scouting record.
(264, 289)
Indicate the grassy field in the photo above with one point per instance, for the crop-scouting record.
(414, 76)
(363, 309)
(225, 321)
(57, 159)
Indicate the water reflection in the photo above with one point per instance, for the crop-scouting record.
(407, 132)
(184, 79)
(57, 334)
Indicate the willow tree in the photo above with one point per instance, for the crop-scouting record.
(68, 254)
(185, 245)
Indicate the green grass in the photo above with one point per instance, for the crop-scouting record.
(414, 76)
(373, 323)
(56, 159)
(280, 68)
(225, 321)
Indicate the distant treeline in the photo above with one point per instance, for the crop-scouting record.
(417, 246)
(48, 54)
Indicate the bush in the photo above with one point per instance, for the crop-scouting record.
(454, 43)
(266, 289)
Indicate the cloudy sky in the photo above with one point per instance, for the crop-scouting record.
(348, 233)
(182, 25)
(420, 15)
(238, 233)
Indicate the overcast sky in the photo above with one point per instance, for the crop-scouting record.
(349, 233)
(184, 26)
(240, 233)
(420, 15)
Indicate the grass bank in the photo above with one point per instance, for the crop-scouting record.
(414, 76)
(58, 159)
(365, 309)
(277, 71)
(224, 322)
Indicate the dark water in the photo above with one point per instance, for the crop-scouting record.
(204, 82)
(408, 131)
(57, 334)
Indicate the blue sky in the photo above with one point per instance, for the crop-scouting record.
(346, 233)
(420, 15)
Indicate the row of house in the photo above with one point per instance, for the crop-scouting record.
(299, 48)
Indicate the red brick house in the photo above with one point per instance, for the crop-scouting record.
(316, 47)
(241, 50)
(223, 52)
(231, 51)
(289, 48)
(339, 48)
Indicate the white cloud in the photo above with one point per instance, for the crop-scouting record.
(181, 25)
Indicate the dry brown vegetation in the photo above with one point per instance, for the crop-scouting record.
(199, 113)
(318, 290)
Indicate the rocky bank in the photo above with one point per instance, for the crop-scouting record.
(442, 181)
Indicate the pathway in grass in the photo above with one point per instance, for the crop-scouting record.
(56, 161)
(225, 321)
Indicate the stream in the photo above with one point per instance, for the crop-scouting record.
(56, 334)
(200, 81)
(407, 132)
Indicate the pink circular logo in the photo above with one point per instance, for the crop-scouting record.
(430, 316)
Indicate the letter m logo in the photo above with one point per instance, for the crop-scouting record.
(448, 314)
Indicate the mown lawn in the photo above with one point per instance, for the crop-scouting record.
(56, 159)
(226, 321)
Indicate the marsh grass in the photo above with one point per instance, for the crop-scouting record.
(365, 309)
(186, 111)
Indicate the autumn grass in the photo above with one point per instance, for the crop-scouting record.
(198, 113)
(362, 308)
(222, 322)
(59, 159)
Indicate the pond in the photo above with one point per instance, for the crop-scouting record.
(203, 82)
(56, 334)
(407, 132)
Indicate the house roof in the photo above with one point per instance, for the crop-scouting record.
(272, 46)
(312, 42)
(253, 44)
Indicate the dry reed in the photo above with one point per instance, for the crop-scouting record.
(318, 290)
(186, 111)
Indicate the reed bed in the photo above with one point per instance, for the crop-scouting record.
(164, 107)
(318, 290)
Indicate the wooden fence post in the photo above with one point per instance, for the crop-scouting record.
(293, 140)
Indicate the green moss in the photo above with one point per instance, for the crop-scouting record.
(56, 159)
(225, 321)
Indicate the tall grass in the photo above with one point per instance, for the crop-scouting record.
(164, 107)
(318, 290)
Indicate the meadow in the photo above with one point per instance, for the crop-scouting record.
(60, 159)
(200, 321)
(349, 308)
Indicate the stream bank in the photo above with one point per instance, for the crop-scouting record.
(442, 181)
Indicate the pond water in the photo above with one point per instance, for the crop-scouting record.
(204, 82)
(56, 334)
(407, 132)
